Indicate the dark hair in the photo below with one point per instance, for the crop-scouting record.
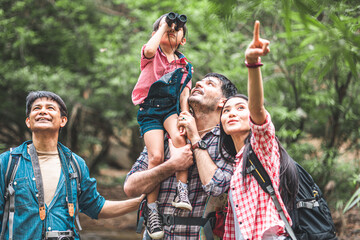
(227, 87)
(157, 24)
(34, 95)
(289, 180)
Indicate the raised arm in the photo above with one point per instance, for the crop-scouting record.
(154, 42)
(258, 47)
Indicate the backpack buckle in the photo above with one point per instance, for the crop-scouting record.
(168, 220)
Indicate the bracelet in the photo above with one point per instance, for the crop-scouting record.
(253, 65)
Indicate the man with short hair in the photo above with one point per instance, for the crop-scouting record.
(45, 189)
(209, 174)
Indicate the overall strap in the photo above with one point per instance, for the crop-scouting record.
(255, 168)
(38, 180)
(69, 196)
(187, 80)
(9, 196)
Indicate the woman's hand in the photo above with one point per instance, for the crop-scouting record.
(258, 46)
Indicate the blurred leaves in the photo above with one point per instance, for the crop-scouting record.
(88, 52)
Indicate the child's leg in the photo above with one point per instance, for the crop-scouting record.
(154, 141)
(182, 198)
(178, 141)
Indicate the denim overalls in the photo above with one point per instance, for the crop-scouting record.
(163, 100)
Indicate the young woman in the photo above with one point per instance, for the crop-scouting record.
(245, 121)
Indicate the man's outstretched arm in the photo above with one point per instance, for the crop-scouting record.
(113, 209)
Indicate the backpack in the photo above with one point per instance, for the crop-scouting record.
(310, 215)
(9, 194)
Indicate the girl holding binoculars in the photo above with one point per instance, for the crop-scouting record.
(162, 90)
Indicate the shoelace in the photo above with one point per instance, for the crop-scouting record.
(183, 193)
(154, 220)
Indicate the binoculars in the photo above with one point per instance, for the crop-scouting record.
(179, 20)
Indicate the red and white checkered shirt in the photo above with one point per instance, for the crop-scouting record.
(255, 210)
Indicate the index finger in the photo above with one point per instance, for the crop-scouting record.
(256, 31)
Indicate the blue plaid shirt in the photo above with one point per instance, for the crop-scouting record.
(198, 193)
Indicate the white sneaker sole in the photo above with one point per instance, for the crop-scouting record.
(182, 205)
(156, 235)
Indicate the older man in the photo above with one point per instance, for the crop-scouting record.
(48, 184)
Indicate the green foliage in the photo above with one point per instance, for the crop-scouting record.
(88, 52)
(355, 198)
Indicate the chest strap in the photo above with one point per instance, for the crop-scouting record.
(69, 196)
(38, 180)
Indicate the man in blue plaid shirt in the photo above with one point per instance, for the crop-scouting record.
(208, 173)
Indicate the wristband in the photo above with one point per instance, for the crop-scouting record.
(253, 65)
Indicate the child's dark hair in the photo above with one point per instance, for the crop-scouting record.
(157, 24)
(289, 180)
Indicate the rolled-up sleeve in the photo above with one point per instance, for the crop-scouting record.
(220, 181)
(141, 163)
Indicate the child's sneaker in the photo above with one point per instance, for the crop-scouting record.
(182, 197)
(154, 224)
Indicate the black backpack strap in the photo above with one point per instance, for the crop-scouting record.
(190, 221)
(77, 175)
(9, 209)
(255, 168)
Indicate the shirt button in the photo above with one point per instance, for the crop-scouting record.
(236, 205)
(240, 222)
(37, 195)
(15, 183)
(233, 188)
(157, 105)
(182, 70)
(49, 228)
(175, 214)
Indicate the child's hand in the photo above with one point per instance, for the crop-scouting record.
(258, 46)
(164, 24)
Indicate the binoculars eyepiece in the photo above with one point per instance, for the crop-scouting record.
(179, 20)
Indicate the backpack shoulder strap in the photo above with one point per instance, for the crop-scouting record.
(9, 195)
(255, 167)
(77, 175)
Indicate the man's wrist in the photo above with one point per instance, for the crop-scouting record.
(199, 145)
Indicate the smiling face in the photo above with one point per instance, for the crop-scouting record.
(235, 117)
(45, 115)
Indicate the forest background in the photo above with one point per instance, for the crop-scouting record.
(88, 52)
